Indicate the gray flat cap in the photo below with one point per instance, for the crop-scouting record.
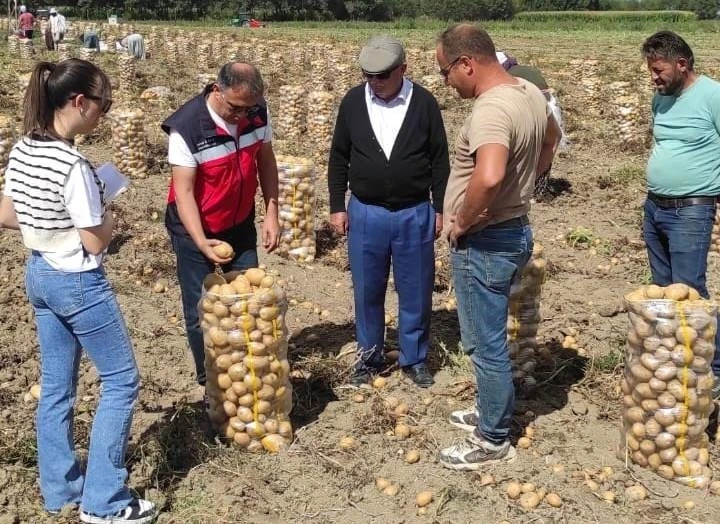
(382, 53)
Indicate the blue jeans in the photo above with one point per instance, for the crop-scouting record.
(407, 237)
(76, 311)
(484, 265)
(678, 242)
(193, 267)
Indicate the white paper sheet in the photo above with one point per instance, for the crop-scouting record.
(115, 182)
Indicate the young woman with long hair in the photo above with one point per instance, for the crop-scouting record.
(56, 199)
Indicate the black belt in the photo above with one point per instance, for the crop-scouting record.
(513, 222)
(682, 201)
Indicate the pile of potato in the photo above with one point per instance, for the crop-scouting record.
(629, 112)
(7, 139)
(297, 205)
(13, 43)
(667, 385)
(128, 139)
(248, 386)
(172, 58)
(27, 51)
(128, 71)
(290, 122)
(87, 54)
(321, 121)
(63, 50)
(203, 79)
(524, 318)
(437, 87)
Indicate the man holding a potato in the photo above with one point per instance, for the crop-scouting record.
(683, 171)
(509, 137)
(220, 145)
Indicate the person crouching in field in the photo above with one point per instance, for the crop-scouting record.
(509, 137)
(389, 147)
(683, 171)
(219, 146)
(55, 198)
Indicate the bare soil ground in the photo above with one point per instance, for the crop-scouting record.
(174, 460)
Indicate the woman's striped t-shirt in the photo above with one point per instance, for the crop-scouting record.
(54, 190)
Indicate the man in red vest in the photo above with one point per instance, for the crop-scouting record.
(220, 146)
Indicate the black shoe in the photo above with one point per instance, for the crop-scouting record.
(360, 376)
(420, 375)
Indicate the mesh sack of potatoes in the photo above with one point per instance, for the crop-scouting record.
(128, 140)
(248, 385)
(127, 64)
(297, 208)
(7, 139)
(667, 384)
(321, 122)
(524, 318)
(290, 122)
(63, 51)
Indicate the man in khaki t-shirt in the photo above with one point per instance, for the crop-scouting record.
(508, 138)
(513, 116)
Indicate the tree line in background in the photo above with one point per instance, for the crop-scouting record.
(373, 10)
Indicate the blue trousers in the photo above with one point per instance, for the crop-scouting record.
(377, 236)
(484, 265)
(76, 311)
(678, 241)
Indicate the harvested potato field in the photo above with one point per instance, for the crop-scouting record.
(367, 455)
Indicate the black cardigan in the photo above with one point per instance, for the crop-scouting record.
(418, 163)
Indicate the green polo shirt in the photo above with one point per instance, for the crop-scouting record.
(685, 158)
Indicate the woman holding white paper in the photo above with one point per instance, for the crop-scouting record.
(58, 202)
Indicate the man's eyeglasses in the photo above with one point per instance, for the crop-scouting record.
(445, 71)
(106, 103)
(379, 76)
(239, 110)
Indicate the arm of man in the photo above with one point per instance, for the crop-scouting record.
(485, 181)
(440, 164)
(183, 175)
(338, 166)
(268, 177)
(553, 134)
(184, 184)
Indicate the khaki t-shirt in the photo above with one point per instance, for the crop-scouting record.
(512, 115)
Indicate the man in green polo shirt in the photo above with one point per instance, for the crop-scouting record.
(683, 172)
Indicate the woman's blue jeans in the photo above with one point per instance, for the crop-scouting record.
(678, 242)
(76, 312)
(484, 266)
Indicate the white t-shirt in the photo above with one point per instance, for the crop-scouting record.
(179, 153)
(83, 204)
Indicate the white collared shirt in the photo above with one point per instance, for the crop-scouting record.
(386, 118)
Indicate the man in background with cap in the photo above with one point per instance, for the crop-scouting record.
(389, 147)
(26, 22)
(57, 27)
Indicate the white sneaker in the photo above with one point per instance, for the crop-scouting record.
(466, 419)
(475, 452)
(139, 511)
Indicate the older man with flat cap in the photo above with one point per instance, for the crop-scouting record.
(390, 149)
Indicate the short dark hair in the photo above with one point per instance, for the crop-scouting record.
(668, 46)
(469, 40)
(247, 75)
